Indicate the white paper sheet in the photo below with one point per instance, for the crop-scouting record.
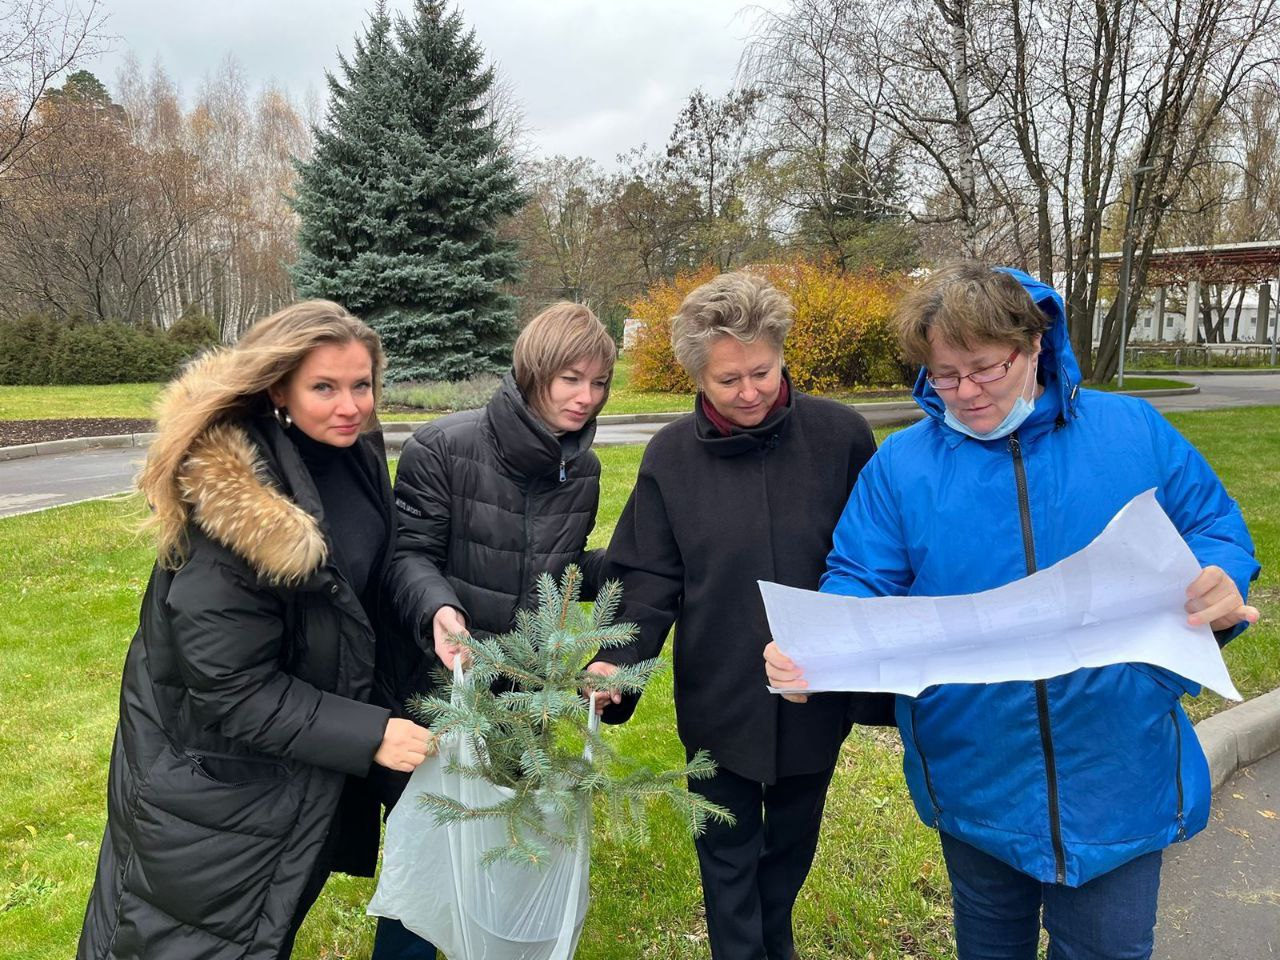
(1119, 600)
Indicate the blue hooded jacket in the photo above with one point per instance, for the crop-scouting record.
(1066, 778)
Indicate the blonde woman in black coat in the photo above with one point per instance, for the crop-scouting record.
(245, 722)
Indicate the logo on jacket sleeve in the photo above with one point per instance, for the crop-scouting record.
(409, 509)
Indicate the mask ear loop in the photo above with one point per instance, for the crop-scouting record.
(1033, 364)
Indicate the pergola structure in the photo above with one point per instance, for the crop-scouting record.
(1237, 263)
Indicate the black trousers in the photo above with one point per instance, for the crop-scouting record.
(752, 872)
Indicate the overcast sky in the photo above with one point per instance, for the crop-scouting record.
(595, 77)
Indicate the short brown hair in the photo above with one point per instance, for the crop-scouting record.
(968, 303)
(741, 304)
(563, 334)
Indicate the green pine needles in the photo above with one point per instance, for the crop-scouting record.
(524, 716)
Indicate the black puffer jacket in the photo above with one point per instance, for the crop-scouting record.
(710, 516)
(242, 713)
(488, 500)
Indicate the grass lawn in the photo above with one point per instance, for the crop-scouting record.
(137, 399)
(1144, 383)
(71, 583)
(52, 403)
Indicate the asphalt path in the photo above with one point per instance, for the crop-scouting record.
(1223, 390)
(38, 483)
(1220, 891)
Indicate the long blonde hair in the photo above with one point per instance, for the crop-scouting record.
(231, 383)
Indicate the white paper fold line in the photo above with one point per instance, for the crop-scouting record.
(1119, 600)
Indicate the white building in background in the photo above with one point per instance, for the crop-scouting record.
(631, 331)
(1170, 324)
(1170, 306)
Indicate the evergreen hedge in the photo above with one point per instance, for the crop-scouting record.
(39, 350)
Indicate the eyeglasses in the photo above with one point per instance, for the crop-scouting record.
(997, 371)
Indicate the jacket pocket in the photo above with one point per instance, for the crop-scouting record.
(237, 770)
(1167, 679)
(208, 832)
(924, 766)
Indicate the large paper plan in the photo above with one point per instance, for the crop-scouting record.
(1119, 600)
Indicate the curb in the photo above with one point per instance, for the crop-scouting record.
(49, 448)
(408, 426)
(1240, 736)
(1167, 392)
(640, 417)
(1217, 372)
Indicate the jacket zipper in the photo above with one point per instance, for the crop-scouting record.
(198, 759)
(1042, 687)
(924, 765)
(563, 475)
(524, 553)
(1177, 733)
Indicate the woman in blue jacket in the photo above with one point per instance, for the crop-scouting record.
(1055, 795)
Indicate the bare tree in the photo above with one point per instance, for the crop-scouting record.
(570, 240)
(1027, 116)
(836, 165)
(96, 218)
(39, 39)
(141, 210)
(932, 89)
(709, 149)
(505, 111)
(1206, 55)
(659, 213)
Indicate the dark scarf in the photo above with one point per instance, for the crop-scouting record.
(726, 427)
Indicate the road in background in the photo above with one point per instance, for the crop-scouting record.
(37, 483)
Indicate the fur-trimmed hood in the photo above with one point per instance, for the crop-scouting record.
(225, 481)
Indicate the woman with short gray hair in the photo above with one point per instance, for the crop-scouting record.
(742, 305)
(747, 487)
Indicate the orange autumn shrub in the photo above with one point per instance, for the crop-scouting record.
(653, 365)
(841, 337)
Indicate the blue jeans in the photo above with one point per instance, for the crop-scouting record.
(998, 909)
(393, 942)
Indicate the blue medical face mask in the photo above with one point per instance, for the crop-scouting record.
(1017, 415)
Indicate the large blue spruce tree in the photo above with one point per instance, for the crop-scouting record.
(400, 201)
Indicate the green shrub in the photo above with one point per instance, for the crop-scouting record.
(441, 396)
(1171, 356)
(194, 331)
(27, 347)
(38, 350)
(115, 353)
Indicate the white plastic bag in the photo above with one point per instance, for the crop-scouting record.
(432, 880)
